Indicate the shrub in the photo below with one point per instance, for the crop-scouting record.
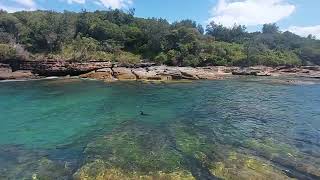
(7, 52)
(126, 58)
(191, 60)
(161, 58)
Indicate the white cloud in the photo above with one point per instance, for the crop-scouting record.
(20, 5)
(116, 4)
(250, 12)
(77, 1)
(26, 3)
(305, 31)
(11, 9)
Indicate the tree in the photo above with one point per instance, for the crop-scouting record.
(81, 48)
(7, 52)
(200, 29)
(310, 36)
(10, 25)
(270, 28)
(116, 35)
(221, 33)
(161, 58)
(185, 23)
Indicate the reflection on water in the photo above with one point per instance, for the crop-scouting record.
(246, 128)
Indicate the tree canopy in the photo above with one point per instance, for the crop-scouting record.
(116, 35)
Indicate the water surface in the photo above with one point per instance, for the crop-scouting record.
(260, 128)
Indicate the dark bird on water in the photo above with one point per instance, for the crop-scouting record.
(143, 114)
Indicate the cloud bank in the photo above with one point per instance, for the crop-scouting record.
(20, 5)
(113, 4)
(77, 1)
(30, 5)
(305, 31)
(250, 12)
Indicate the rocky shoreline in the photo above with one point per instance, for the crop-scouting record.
(107, 71)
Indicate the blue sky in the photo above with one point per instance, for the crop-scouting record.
(298, 16)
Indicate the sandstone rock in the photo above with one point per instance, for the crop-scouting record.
(245, 73)
(189, 73)
(58, 68)
(7, 74)
(123, 74)
(5, 67)
(142, 73)
(105, 74)
(5, 71)
(167, 72)
(263, 74)
(99, 170)
(26, 164)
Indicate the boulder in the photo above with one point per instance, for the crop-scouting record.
(6, 73)
(121, 73)
(142, 73)
(245, 73)
(147, 74)
(167, 72)
(189, 73)
(105, 74)
(263, 74)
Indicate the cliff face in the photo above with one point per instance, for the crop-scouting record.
(57, 68)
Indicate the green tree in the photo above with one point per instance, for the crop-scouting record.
(270, 28)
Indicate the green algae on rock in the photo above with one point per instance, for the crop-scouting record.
(22, 163)
(99, 170)
(286, 156)
(136, 147)
(243, 167)
(269, 148)
(37, 169)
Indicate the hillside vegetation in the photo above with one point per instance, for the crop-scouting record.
(115, 35)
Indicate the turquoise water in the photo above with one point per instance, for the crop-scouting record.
(67, 122)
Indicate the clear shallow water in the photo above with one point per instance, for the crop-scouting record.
(237, 128)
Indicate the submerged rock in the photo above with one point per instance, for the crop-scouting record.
(297, 164)
(99, 170)
(18, 163)
(243, 167)
(135, 147)
(133, 151)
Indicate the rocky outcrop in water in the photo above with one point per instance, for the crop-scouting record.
(6, 73)
(57, 68)
(304, 71)
(122, 73)
(108, 71)
(159, 73)
(105, 74)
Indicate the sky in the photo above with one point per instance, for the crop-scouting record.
(298, 16)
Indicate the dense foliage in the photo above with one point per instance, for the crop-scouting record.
(116, 35)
